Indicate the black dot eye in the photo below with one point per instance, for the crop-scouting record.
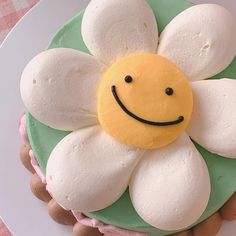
(128, 79)
(169, 91)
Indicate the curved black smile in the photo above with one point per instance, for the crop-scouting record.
(175, 122)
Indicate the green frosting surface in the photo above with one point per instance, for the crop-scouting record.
(122, 214)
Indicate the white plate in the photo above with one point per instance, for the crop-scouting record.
(24, 214)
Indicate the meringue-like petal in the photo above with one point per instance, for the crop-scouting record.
(116, 28)
(213, 123)
(200, 41)
(170, 187)
(88, 170)
(59, 88)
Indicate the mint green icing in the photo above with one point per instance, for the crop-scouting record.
(122, 214)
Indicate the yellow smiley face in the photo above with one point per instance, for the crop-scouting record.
(144, 101)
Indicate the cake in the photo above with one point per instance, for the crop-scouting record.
(131, 118)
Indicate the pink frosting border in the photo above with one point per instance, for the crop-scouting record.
(36, 167)
(82, 219)
(22, 129)
(104, 228)
(34, 163)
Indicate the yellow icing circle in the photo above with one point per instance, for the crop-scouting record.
(144, 101)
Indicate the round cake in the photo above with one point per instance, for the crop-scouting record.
(131, 115)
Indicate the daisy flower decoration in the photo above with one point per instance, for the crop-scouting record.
(132, 106)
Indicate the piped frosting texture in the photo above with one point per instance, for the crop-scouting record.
(167, 94)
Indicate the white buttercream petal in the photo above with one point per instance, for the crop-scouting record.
(59, 88)
(200, 41)
(213, 123)
(88, 170)
(170, 187)
(116, 28)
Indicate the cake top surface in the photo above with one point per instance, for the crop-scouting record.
(132, 106)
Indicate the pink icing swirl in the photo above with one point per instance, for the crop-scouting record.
(36, 167)
(22, 129)
(104, 228)
(34, 162)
